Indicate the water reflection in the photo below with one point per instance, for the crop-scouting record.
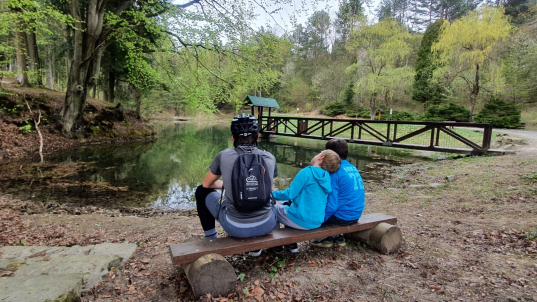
(165, 173)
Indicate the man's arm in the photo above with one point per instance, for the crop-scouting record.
(211, 181)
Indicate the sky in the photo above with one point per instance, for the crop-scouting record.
(285, 18)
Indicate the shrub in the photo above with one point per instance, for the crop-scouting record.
(500, 114)
(449, 112)
(404, 116)
(351, 113)
(333, 109)
(359, 112)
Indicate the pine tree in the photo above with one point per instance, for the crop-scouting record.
(425, 89)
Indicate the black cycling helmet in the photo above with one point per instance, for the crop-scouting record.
(244, 125)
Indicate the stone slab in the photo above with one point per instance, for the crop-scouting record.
(23, 252)
(93, 268)
(123, 250)
(62, 288)
(32, 264)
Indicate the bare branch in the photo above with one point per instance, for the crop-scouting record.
(36, 123)
(188, 4)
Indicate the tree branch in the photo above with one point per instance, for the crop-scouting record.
(195, 54)
(36, 123)
(188, 4)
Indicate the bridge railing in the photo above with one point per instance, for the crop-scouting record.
(464, 138)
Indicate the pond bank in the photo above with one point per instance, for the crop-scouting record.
(103, 123)
(472, 237)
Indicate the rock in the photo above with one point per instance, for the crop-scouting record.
(451, 178)
(64, 270)
(518, 141)
(436, 184)
(416, 186)
(124, 251)
(93, 268)
(62, 288)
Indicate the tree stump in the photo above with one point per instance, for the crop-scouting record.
(210, 274)
(385, 237)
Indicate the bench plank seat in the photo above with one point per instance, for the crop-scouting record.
(188, 252)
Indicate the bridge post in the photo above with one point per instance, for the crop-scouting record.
(487, 136)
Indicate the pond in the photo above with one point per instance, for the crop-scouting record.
(165, 173)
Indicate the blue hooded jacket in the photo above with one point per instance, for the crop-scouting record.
(308, 193)
(346, 201)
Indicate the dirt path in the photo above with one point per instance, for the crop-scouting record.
(525, 151)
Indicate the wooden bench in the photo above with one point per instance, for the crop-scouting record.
(209, 272)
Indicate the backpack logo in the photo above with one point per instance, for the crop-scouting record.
(251, 181)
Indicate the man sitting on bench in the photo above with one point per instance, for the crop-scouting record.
(212, 205)
(346, 201)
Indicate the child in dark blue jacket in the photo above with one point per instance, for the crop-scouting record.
(346, 200)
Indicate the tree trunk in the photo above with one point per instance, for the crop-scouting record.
(137, 101)
(22, 71)
(474, 93)
(105, 87)
(31, 43)
(373, 106)
(81, 74)
(111, 86)
(50, 72)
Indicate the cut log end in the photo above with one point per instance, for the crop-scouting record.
(386, 238)
(210, 274)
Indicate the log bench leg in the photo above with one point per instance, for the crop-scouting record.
(210, 274)
(385, 238)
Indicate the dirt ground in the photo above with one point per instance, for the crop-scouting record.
(473, 238)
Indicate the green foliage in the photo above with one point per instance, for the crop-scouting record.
(333, 109)
(501, 114)
(449, 112)
(519, 67)
(425, 89)
(464, 50)
(348, 96)
(241, 276)
(360, 112)
(402, 116)
(26, 128)
(520, 11)
(382, 73)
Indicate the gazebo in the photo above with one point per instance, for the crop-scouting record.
(261, 103)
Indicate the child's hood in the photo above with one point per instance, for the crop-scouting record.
(322, 177)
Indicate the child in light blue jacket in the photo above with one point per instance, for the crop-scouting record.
(307, 194)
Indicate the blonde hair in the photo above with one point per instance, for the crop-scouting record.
(331, 161)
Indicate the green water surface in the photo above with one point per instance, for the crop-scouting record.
(165, 173)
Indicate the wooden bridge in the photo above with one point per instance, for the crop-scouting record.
(462, 138)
